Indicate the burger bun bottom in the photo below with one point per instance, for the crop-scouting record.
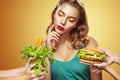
(89, 62)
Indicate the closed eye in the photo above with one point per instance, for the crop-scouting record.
(72, 19)
(60, 13)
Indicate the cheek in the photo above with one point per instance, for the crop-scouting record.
(56, 20)
(70, 26)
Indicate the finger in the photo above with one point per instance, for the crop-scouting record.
(28, 62)
(110, 61)
(56, 33)
(32, 71)
(54, 40)
(33, 75)
(98, 71)
(85, 63)
(41, 77)
(38, 78)
(55, 36)
(51, 28)
(97, 65)
(29, 69)
(100, 65)
(32, 66)
(94, 70)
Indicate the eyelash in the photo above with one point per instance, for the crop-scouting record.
(71, 20)
(60, 14)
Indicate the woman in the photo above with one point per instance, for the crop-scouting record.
(66, 34)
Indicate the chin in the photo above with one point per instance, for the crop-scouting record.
(58, 31)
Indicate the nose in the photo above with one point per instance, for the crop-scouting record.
(63, 21)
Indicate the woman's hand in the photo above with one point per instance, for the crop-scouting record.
(52, 38)
(30, 71)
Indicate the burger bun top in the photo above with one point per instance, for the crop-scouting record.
(89, 49)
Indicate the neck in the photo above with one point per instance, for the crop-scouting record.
(64, 44)
(63, 38)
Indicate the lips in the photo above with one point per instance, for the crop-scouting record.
(60, 28)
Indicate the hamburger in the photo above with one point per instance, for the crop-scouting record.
(91, 55)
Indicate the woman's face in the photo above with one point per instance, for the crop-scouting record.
(65, 18)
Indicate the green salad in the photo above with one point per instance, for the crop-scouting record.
(39, 53)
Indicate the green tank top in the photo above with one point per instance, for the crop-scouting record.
(70, 70)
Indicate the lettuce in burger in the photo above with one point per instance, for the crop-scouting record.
(91, 55)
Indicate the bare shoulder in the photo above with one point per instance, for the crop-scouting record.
(92, 42)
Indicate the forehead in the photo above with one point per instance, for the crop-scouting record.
(69, 10)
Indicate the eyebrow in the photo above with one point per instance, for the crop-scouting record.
(64, 14)
(62, 11)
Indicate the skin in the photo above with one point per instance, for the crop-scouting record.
(59, 38)
(66, 16)
(63, 17)
(109, 59)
